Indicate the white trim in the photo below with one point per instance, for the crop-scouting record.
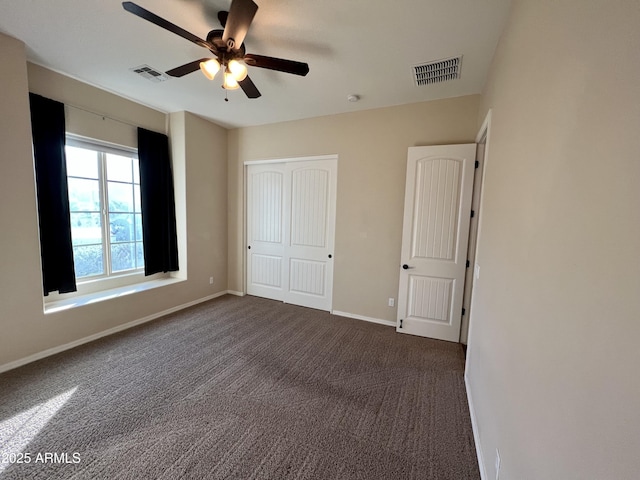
(236, 293)
(474, 428)
(292, 159)
(484, 129)
(483, 134)
(73, 301)
(110, 331)
(380, 321)
(80, 141)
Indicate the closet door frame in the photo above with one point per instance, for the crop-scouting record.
(324, 254)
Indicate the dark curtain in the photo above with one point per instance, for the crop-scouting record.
(48, 130)
(158, 203)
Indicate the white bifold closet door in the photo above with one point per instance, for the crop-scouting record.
(290, 231)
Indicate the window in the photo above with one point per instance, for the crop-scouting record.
(104, 201)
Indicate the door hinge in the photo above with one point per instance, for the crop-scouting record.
(477, 164)
(463, 311)
(473, 213)
(400, 323)
(468, 264)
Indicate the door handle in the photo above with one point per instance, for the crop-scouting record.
(406, 267)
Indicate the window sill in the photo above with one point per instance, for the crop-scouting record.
(90, 298)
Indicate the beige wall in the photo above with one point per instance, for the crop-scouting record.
(92, 101)
(206, 195)
(201, 182)
(553, 356)
(372, 149)
(20, 277)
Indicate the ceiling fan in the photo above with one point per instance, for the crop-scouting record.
(227, 46)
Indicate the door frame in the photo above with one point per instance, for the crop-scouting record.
(484, 135)
(476, 203)
(245, 209)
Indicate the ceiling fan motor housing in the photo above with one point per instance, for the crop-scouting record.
(225, 50)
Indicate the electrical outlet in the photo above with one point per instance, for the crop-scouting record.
(392, 301)
(210, 280)
(497, 464)
(477, 271)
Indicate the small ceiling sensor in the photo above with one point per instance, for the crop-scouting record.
(353, 98)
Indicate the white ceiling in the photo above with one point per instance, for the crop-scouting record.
(363, 47)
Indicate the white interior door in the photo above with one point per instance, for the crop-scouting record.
(435, 233)
(290, 231)
(310, 201)
(266, 231)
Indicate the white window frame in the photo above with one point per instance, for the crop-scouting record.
(108, 280)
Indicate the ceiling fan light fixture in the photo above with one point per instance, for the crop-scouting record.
(230, 83)
(227, 45)
(210, 68)
(238, 70)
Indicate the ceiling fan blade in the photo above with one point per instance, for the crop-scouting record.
(249, 88)
(185, 69)
(167, 25)
(279, 64)
(238, 21)
(222, 18)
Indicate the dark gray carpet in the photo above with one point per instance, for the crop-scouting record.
(242, 388)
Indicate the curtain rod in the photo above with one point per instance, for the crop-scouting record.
(104, 116)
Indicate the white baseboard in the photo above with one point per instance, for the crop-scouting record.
(236, 293)
(476, 434)
(110, 331)
(388, 323)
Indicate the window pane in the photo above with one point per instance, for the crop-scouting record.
(139, 255)
(122, 228)
(95, 177)
(86, 228)
(88, 260)
(84, 195)
(81, 162)
(123, 256)
(120, 197)
(138, 229)
(119, 168)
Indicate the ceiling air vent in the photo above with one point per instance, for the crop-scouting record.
(434, 72)
(150, 73)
